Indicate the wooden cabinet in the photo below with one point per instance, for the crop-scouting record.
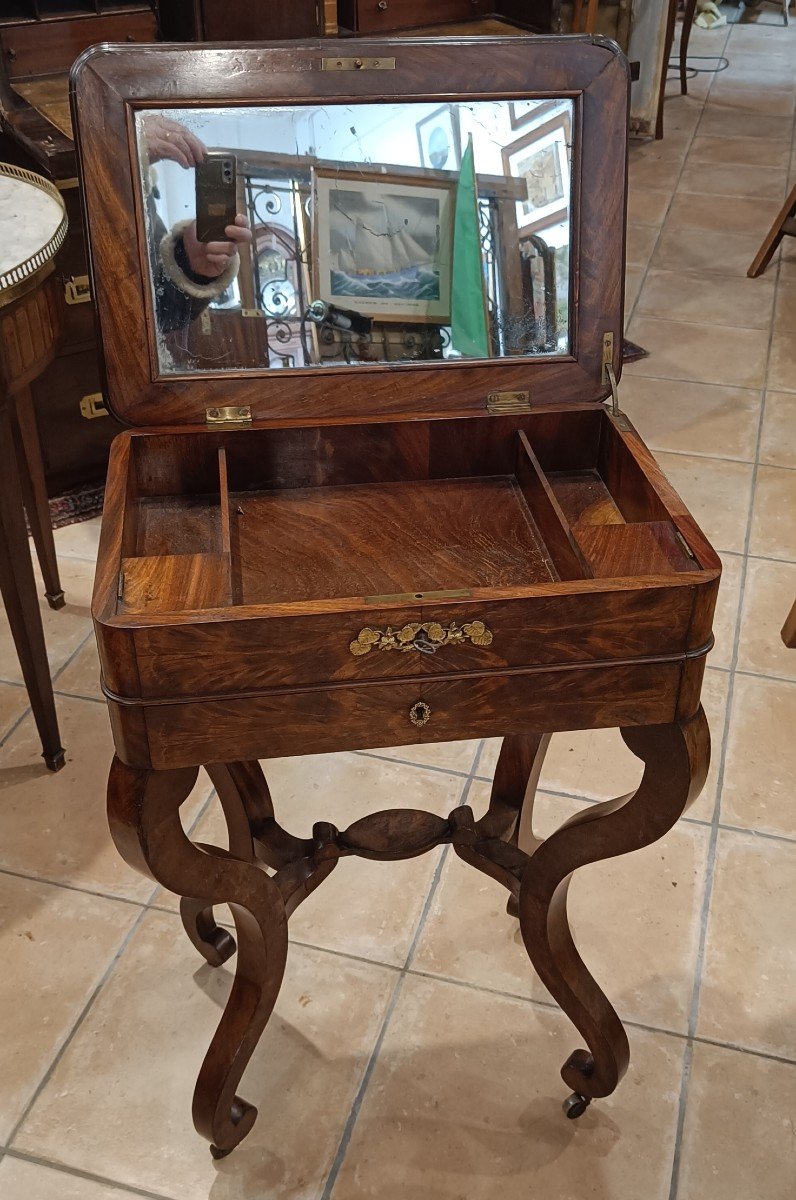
(228, 20)
(374, 16)
(378, 16)
(39, 41)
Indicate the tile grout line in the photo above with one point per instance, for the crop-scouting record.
(711, 851)
(89, 1176)
(117, 956)
(75, 1028)
(57, 675)
(630, 317)
(581, 798)
(72, 887)
(716, 823)
(26, 713)
(359, 1098)
(548, 1005)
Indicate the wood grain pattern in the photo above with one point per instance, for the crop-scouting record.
(282, 722)
(352, 504)
(154, 584)
(105, 82)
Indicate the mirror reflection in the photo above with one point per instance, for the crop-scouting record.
(287, 237)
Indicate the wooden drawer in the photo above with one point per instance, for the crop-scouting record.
(376, 16)
(208, 658)
(240, 20)
(46, 47)
(277, 724)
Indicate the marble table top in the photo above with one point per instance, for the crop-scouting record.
(29, 218)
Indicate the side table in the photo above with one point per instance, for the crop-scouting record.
(33, 225)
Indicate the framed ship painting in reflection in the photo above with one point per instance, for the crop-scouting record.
(541, 159)
(383, 246)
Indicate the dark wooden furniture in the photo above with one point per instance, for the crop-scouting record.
(29, 330)
(685, 37)
(380, 555)
(39, 41)
(384, 16)
(784, 226)
(233, 20)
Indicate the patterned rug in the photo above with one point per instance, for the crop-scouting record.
(79, 504)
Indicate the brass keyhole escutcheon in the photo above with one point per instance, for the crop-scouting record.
(420, 714)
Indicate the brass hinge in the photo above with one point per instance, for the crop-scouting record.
(232, 414)
(501, 404)
(609, 377)
(77, 289)
(252, 312)
(93, 406)
(358, 64)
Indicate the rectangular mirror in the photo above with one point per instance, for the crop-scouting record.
(364, 233)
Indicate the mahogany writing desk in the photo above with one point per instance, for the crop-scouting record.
(419, 515)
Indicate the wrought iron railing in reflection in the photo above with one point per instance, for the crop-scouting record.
(522, 317)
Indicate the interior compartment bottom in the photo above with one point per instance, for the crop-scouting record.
(384, 539)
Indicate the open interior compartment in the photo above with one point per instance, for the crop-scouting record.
(268, 517)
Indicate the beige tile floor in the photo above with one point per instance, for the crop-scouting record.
(413, 1053)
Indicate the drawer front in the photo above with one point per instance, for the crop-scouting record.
(274, 725)
(74, 449)
(247, 655)
(374, 16)
(260, 22)
(320, 720)
(526, 701)
(47, 47)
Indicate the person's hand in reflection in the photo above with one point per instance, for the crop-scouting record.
(212, 259)
(166, 138)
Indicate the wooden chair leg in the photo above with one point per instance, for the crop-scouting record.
(685, 38)
(34, 492)
(143, 810)
(676, 759)
(577, 10)
(18, 589)
(591, 16)
(668, 42)
(784, 224)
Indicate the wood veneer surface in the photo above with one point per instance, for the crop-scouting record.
(372, 539)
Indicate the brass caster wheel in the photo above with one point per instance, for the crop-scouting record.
(576, 1105)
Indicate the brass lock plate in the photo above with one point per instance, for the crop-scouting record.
(420, 714)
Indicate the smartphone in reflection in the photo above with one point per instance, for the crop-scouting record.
(216, 196)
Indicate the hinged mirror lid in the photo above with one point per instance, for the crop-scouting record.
(423, 230)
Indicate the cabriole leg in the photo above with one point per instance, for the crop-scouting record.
(143, 809)
(676, 759)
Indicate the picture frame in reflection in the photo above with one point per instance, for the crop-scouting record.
(439, 139)
(383, 244)
(523, 112)
(541, 158)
